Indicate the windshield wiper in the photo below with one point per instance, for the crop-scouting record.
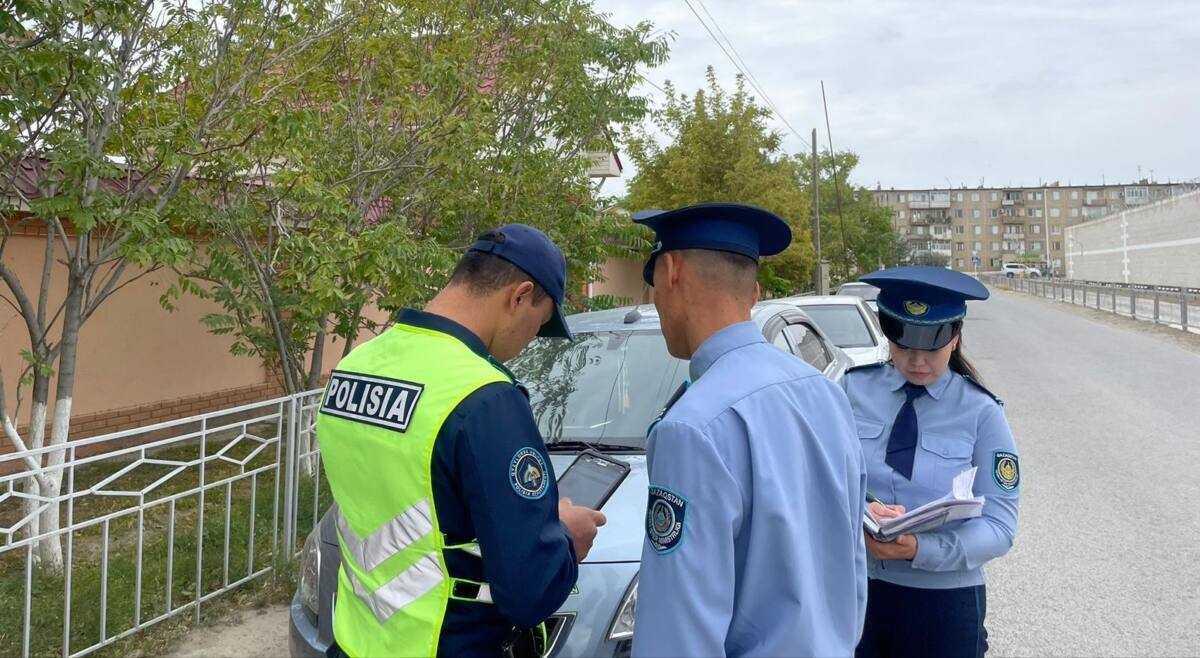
(598, 447)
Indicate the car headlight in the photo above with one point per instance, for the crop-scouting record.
(310, 571)
(622, 624)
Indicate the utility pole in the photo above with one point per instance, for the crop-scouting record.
(820, 279)
(837, 185)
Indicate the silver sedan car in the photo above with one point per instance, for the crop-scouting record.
(849, 323)
(601, 390)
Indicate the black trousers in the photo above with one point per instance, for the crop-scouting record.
(909, 621)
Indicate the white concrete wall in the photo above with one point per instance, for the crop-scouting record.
(1157, 244)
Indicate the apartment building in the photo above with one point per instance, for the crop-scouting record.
(982, 228)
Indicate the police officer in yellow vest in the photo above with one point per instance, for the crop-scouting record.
(451, 531)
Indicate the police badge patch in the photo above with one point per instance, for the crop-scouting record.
(664, 519)
(527, 474)
(1006, 470)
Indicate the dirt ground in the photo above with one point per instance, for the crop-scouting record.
(253, 633)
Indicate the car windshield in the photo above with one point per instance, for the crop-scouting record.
(604, 387)
(843, 324)
(862, 290)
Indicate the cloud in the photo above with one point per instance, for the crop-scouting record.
(930, 91)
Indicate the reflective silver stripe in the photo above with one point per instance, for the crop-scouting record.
(410, 585)
(391, 538)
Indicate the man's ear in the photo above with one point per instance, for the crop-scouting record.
(523, 291)
(672, 267)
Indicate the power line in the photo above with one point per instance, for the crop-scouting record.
(742, 68)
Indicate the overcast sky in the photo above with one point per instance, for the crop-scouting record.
(925, 92)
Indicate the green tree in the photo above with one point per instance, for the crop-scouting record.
(108, 110)
(423, 125)
(856, 233)
(718, 148)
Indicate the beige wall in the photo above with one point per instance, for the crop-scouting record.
(622, 278)
(132, 351)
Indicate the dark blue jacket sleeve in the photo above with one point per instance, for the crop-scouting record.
(528, 557)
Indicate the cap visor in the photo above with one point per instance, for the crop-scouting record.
(916, 336)
(556, 326)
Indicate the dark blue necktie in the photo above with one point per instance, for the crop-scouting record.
(902, 442)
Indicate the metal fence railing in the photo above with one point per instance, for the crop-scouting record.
(1173, 306)
(152, 522)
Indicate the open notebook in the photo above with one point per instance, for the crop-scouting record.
(957, 505)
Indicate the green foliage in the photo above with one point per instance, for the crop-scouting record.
(385, 152)
(860, 239)
(719, 149)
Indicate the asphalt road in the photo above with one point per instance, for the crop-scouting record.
(1106, 414)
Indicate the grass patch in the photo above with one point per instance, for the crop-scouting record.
(177, 559)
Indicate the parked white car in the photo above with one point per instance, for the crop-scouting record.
(1019, 269)
(849, 323)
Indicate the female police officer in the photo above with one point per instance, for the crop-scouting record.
(923, 418)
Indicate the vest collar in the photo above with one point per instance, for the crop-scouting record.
(445, 325)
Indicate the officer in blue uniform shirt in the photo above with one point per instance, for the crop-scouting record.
(923, 418)
(754, 521)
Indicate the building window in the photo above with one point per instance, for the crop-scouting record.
(975, 214)
(1037, 212)
(995, 230)
(1058, 246)
(978, 246)
(1037, 228)
(900, 214)
(901, 198)
(1074, 212)
(1056, 212)
(959, 196)
(995, 213)
(996, 246)
(978, 230)
(958, 262)
(1057, 195)
(975, 196)
(1055, 230)
(995, 196)
(920, 230)
(958, 213)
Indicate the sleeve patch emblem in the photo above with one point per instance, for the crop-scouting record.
(527, 474)
(664, 519)
(374, 400)
(1006, 469)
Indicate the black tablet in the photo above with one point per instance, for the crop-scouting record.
(591, 479)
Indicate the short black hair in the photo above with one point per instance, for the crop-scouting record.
(725, 270)
(484, 274)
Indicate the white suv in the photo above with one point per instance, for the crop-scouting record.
(1019, 269)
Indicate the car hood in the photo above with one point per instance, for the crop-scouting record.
(862, 356)
(620, 540)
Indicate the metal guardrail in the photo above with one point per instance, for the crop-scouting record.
(130, 499)
(1174, 306)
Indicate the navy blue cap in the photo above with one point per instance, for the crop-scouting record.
(734, 227)
(918, 304)
(536, 255)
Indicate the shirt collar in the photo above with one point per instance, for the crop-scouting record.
(445, 325)
(721, 343)
(897, 381)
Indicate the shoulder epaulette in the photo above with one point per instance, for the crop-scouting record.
(976, 384)
(866, 366)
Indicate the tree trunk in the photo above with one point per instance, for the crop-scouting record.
(50, 550)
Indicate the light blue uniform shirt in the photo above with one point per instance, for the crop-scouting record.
(959, 426)
(754, 541)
